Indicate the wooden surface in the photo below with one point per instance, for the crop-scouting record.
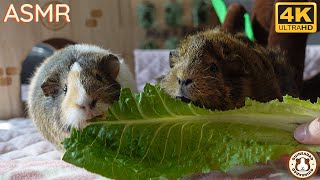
(108, 23)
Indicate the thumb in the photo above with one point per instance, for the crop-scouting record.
(308, 133)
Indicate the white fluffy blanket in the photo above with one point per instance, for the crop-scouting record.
(20, 140)
(36, 170)
(24, 154)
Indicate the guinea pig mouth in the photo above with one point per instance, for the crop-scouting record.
(99, 116)
(93, 118)
(183, 99)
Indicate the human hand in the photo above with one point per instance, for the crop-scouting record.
(308, 133)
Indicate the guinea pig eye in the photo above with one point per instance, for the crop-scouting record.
(213, 68)
(98, 77)
(65, 89)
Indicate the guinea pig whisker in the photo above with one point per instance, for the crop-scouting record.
(110, 85)
(211, 77)
(113, 92)
(195, 86)
(105, 88)
(100, 89)
(198, 90)
(206, 68)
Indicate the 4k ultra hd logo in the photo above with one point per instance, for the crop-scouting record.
(296, 17)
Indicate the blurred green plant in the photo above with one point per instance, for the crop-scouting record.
(146, 14)
(148, 44)
(200, 12)
(173, 13)
(171, 43)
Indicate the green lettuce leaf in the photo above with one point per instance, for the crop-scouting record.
(151, 135)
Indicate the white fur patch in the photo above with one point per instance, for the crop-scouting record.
(76, 95)
(82, 95)
(76, 118)
(76, 67)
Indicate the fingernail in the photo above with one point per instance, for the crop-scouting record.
(300, 132)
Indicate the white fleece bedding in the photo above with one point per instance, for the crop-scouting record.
(20, 140)
(25, 154)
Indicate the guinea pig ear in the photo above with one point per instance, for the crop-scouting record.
(50, 86)
(244, 38)
(172, 56)
(110, 64)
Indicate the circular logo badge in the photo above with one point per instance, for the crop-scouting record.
(54, 25)
(303, 164)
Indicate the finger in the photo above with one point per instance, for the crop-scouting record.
(308, 133)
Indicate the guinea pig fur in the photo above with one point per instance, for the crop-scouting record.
(74, 85)
(218, 70)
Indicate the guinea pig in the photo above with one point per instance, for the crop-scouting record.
(74, 85)
(218, 70)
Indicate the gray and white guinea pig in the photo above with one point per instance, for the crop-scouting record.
(74, 85)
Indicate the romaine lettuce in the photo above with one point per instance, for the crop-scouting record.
(151, 135)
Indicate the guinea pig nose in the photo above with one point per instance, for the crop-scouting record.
(185, 82)
(88, 105)
(93, 104)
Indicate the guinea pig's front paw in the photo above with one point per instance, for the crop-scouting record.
(67, 129)
(183, 99)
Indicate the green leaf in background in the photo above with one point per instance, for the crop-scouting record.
(148, 44)
(151, 135)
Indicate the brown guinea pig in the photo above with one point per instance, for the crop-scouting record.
(74, 85)
(219, 70)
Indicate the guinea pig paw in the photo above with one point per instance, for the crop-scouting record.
(67, 129)
(183, 99)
